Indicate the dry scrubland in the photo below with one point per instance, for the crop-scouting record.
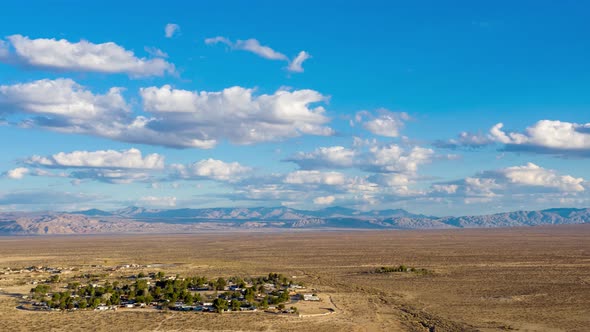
(523, 279)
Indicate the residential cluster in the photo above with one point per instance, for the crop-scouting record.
(156, 291)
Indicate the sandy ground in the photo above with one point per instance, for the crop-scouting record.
(522, 279)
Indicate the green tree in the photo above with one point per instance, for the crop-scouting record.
(235, 305)
(94, 302)
(264, 303)
(220, 284)
(220, 305)
(249, 295)
(115, 299)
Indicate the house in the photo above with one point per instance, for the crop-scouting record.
(310, 297)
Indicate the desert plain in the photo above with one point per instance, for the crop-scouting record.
(516, 279)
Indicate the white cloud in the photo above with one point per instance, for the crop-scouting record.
(508, 185)
(171, 29)
(555, 137)
(166, 201)
(155, 52)
(126, 159)
(533, 175)
(448, 189)
(252, 45)
(109, 166)
(84, 56)
(211, 169)
(325, 157)
(369, 156)
(180, 118)
(17, 173)
(465, 139)
(218, 39)
(315, 177)
(394, 158)
(391, 179)
(62, 97)
(324, 200)
(547, 136)
(296, 65)
(113, 176)
(4, 51)
(237, 114)
(481, 187)
(384, 123)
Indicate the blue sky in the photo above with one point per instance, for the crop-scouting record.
(439, 108)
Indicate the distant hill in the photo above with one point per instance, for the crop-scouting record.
(93, 212)
(141, 220)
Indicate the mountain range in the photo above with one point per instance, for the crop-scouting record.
(142, 220)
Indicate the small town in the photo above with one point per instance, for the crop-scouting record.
(273, 293)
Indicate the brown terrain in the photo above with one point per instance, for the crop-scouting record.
(517, 279)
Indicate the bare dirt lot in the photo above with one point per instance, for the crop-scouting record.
(521, 279)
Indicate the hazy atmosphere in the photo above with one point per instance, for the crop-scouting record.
(469, 108)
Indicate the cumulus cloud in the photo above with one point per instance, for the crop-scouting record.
(171, 29)
(547, 136)
(392, 172)
(315, 177)
(252, 45)
(391, 179)
(509, 184)
(325, 157)
(166, 201)
(62, 98)
(211, 169)
(394, 158)
(533, 175)
(369, 156)
(129, 159)
(324, 200)
(384, 123)
(113, 176)
(17, 173)
(83, 56)
(236, 113)
(482, 187)
(175, 118)
(445, 188)
(109, 166)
